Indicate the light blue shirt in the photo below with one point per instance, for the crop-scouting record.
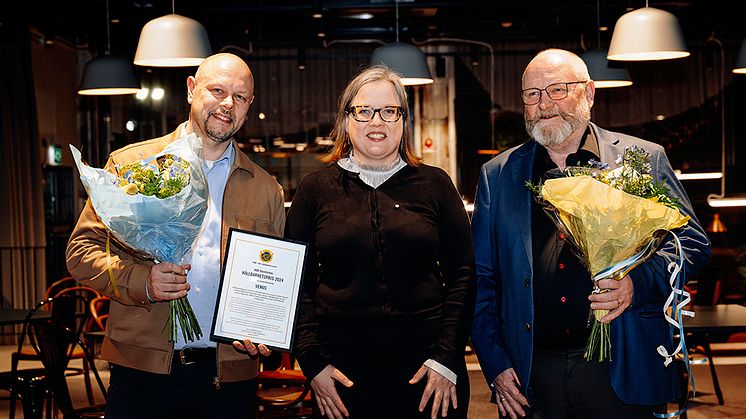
(204, 277)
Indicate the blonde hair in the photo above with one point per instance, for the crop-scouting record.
(342, 143)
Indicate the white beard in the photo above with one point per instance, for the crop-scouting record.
(546, 135)
(549, 136)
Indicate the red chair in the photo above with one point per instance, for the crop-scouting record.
(99, 308)
(284, 388)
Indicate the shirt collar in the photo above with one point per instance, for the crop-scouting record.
(589, 142)
(226, 158)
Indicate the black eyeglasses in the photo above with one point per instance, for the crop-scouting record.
(367, 113)
(556, 91)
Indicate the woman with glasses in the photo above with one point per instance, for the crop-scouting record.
(389, 285)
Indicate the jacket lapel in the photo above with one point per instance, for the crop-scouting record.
(520, 198)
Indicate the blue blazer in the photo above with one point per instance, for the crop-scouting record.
(502, 332)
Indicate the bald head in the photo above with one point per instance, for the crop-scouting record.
(224, 63)
(557, 60)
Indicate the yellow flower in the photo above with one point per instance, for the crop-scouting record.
(130, 189)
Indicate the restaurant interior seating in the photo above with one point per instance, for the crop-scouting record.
(53, 343)
(99, 308)
(29, 384)
(284, 388)
(76, 317)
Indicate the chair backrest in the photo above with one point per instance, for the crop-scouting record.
(79, 318)
(53, 342)
(99, 308)
(283, 388)
(59, 285)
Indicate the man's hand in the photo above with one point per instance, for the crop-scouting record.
(510, 401)
(440, 388)
(326, 395)
(253, 350)
(616, 300)
(167, 281)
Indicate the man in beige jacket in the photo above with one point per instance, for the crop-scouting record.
(151, 376)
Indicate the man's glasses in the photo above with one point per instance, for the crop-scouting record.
(367, 113)
(555, 91)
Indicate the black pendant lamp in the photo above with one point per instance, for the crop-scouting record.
(107, 75)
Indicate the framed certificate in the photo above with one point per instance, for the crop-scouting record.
(259, 290)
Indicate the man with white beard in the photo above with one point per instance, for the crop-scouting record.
(534, 294)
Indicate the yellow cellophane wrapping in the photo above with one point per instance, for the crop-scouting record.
(608, 224)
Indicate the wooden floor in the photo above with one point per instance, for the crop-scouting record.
(731, 372)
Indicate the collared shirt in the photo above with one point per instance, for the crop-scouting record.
(372, 176)
(561, 281)
(204, 277)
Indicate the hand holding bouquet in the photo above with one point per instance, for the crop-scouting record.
(614, 219)
(154, 206)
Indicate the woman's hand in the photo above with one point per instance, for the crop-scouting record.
(253, 350)
(326, 394)
(440, 388)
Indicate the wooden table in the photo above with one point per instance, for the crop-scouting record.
(717, 319)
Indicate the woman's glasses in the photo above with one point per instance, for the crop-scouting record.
(367, 113)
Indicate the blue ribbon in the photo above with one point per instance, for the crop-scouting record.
(676, 301)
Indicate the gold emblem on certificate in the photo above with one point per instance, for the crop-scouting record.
(265, 255)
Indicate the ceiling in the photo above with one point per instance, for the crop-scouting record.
(291, 23)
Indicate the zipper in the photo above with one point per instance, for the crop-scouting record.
(216, 380)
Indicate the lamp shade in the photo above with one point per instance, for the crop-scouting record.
(107, 75)
(603, 72)
(741, 63)
(172, 41)
(405, 59)
(647, 34)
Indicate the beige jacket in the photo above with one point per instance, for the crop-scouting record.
(136, 335)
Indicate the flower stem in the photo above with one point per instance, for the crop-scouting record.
(181, 316)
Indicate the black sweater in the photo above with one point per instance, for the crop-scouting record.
(388, 263)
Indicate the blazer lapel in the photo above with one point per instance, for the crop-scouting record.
(520, 198)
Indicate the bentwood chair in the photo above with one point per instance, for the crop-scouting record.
(94, 336)
(54, 343)
(28, 384)
(99, 308)
(73, 314)
(284, 388)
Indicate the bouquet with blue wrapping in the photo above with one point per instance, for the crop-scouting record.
(154, 206)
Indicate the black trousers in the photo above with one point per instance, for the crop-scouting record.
(188, 392)
(565, 386)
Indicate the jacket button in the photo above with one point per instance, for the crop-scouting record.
(528, 283)
(527, 326)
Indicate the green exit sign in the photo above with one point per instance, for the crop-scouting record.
(54, 155)
(57, 154)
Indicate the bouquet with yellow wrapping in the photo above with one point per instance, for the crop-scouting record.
(614, 218)
(154, 206)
